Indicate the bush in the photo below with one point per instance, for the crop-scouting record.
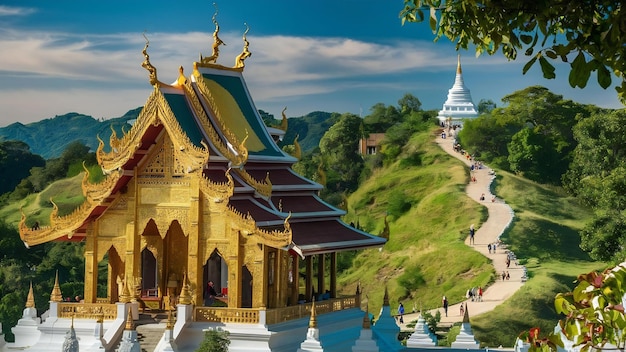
(215, 340)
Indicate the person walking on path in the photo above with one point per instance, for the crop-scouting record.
(471, 234)
(444, 303)
(401, 313)
(461, 309)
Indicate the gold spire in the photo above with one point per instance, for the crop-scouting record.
(55, 295)
(245, 53)
(125, 297)
(130, 324)
(366, 317)
(185, 297)
(386, 297)
(313, 320)
(466, 315)
(181, 77)
(458, 64)
(170, 318)
(146, 63)
(30, 300)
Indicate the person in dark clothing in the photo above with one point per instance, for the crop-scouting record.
(209, 294)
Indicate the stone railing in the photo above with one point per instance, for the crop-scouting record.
(87, 311)
(272, 316)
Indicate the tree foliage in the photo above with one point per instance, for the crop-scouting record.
(16, 160)
(215, 341)
(587, 35)
(339, 148)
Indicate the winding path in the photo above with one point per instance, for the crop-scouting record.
(500, 217)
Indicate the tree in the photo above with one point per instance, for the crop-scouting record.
(409, 103)
(590, 35)
(486, 106)
(339, 148)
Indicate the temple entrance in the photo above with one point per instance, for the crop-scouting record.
(149, 274)
(246, 288)
(216, 270)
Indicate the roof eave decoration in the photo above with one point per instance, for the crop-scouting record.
(60, 226)
(297, 150)
(217, 192)
(156, 112)
(247, 226)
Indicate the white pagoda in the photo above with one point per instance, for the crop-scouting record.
(459, 105)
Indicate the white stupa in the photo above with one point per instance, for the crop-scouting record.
(459, 105)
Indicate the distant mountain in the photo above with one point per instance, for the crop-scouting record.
(49, 137)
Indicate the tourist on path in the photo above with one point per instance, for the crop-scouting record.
(401, 312)
(471, 234)
(444, 303)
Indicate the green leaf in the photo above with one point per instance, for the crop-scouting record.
(433, 19)
(547, 68)
(551, 54)
(528, 65)
(604, 77)
(526, 39)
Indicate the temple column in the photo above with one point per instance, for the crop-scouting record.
(308, 280)
(194, 266)
(321, 286)
(91, 267)
(295, 279)
(132, 255)
(333, 274)
(235, 268)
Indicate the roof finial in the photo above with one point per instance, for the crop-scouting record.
(130, 324)
(181, 77)
(56, 295)
(245, 53)
(458, 64)
(366, 318)
(313, 320)
(216, 42)
(386, 297)
(146, 63)
(30, 300)
(284, 124)
(466, 315)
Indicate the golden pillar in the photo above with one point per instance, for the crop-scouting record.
(194, 266)
(91, 267)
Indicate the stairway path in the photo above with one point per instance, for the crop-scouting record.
(500, 217)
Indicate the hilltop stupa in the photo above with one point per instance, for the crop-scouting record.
(458, 105)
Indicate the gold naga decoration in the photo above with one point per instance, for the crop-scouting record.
(247, 226)
(147, 65)
(205, 61)
(217, 192)
(284, 123)
(245, 53)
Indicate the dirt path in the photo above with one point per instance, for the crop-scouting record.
(500, 217)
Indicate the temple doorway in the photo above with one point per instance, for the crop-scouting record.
(246, 288)
(216, 270)
(149, 274)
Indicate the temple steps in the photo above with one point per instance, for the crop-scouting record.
(150, 328)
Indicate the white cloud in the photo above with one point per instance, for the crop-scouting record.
(15, 11)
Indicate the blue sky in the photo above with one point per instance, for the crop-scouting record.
(330, 55)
